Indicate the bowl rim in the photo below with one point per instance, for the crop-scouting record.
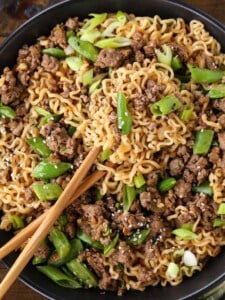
(180, 4)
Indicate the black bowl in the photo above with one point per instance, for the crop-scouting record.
(214, 271)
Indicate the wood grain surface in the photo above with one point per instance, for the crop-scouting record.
(18, 291)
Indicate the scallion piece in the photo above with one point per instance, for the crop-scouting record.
(55, 52)
(90, 36)
(165, 57)
(108, 248)
(221, 209)
(165, 105)
(204, 188)
(75, 63)
(217, 92)
(70, 33)
(87, 77)
(139, 181)
(17, 222)
(172, 270)
(47, 192)
(88, 240)
(84, 48)
(94, 22)
(187, 113)
(124, 119)
(129, 195)
(166, 184)
(104, 155)
(7, 111)
(218, 223)
(115, 42)
(184, 234)
(138, 237)
(200, 75)
(203, 141)
(176, 63)
(187, 226)
(121, 17)
(94, 86)
(41, 111)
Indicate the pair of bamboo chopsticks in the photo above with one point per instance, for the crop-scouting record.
(47, 220)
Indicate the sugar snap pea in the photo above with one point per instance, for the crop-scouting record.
(55, 52)
(7, 111)
(83, 274)
(47, 170)
(47, 192)
(61, 243)
(39, 145)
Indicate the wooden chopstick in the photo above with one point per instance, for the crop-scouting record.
(49, 220)
(27, 232)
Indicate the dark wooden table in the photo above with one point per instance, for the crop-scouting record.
(18, 291)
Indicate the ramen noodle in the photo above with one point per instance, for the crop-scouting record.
(151, 93)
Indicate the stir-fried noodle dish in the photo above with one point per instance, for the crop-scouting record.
(151, 93)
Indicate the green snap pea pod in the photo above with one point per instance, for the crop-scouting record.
(88, 240)
(47, 192)
(61, 223)
(59, 277)
(7, 111)
(55, 52)
(17, 222)
(187, 113)
(184, 234)
(165, 57)
(217, 92)
(129, 195)
(74, 62)
(176, 63)
(166, 184)
(218, 223)
(37, 260)
(123, 114)
(76, 248)
(47, 170)
(84, 48)
(165, 106)
(221, 209)
(109, 248)
(39, 145)
(115, 42)
(104, 155)
(139, 181)
(204, 188)
(61, 243)
(50, 117)
(203, 141)
(138, 237)
(83, 274)
(200, 75)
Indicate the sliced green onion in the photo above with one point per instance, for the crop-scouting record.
(217, 92)
(204, 188)
(138, 237)
(88, 240)
(166, 184)
(176, 63)
(17, 222)
(218, 223)
(108, 248)
(7, 111)
(94, 22)
(203, 141)
(124, 119)
(139, 181)
(178, 252)
(55, 52)
(71, 130)
(165, 106)
(42, 111)
(187, 114)
(200, 75)
(104, 155)
(47, 192)
(129, 195)
(115, 42)
(121, 17)
(165, 57)
(94, 86)
(39, 145)
(70, 33)
(75, 63)
(187, 226)
(172, 270)
(50, 117)
(185, 234)
(221, 209)
(90, 36)
(87, 77)
(189, 259)
(99, 196)
(84, 48)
